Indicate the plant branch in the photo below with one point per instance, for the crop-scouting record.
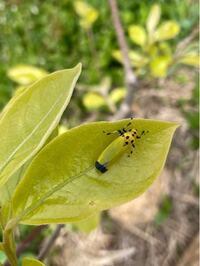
(130, 78)
(28, 240)
(47, 246)
(185, 42)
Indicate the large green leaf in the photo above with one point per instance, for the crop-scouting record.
(62, 185)
(7, 190)
(31, 117)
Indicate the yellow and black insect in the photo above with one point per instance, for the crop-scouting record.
(126, 139)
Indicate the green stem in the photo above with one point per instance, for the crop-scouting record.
(9, 247)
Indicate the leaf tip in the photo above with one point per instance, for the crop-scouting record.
(79, 67)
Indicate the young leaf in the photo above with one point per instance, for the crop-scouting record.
(118, 94)
(31, 262)
(137, 34)
(31, 117)
(153, 18)
(62, 184)
(159, 66)
(137, 59)
(167, 30)
(25, 74)
(87, 13)
(93, 101)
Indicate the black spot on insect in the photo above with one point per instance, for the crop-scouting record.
(130, 130)
(131, 152)
(138, 137)
(132, 141)
(100, 167)
(133, 145)
(126, 142)
(127, 137)
(120, 132)
(124, 130)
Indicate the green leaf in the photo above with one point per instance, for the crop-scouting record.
(31, 262)
(87, 13)
(153, 18)
(137, 59)
(93, 101)
(159, 66)
(31, 117)
(137, 34)
(26, 74)
(7, 190)
(167, 30)
(62, 184)
(191, 59)
(118, 94)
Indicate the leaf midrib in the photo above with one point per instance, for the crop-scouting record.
(52, 191)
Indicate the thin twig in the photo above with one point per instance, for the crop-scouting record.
(28, 240)
(185, 42)
(130, 78)
(49, 243)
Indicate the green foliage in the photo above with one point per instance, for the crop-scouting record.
(74, 189)
(58, 179)
(102, 97)
(25, 74)
(49, 36)
(155, 56)
(164, 211)
(31, 117)
(88, 14)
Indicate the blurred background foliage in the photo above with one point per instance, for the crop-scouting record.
(57, 34)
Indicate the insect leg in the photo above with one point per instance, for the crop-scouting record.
(112, 132)
(142, 133)
(126, 127)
